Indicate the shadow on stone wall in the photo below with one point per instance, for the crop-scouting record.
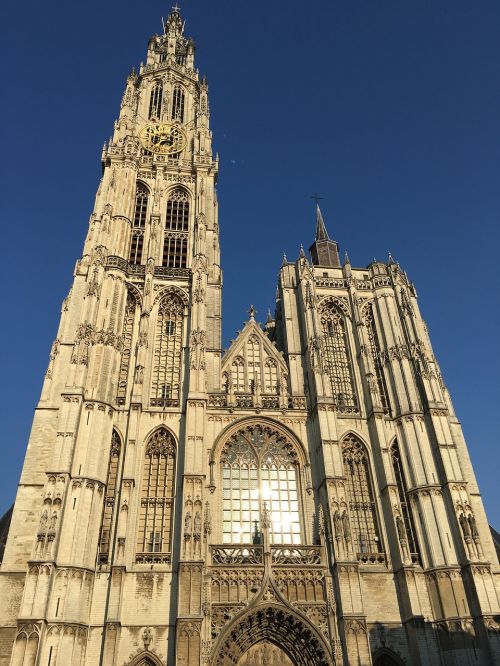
(447, 642)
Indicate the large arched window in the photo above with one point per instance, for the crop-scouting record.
(404, 500)
(138, 224)
(154, 535)
(337, 359)
(155, 101)
(167, 352)
(374, 350)
(175, 241)
(127, 333)
(260, 472)
(178, 104)
(362, 512)
(109, 499)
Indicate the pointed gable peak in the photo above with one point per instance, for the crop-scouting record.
(321, 232)
(238, 348)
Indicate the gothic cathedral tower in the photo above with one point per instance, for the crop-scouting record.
(305, 499)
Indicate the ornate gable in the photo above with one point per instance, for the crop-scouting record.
(253, 364)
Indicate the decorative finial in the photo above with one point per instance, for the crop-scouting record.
(302, 254)
(346, 259)
(176, 8)
(269, 316)
(252, 312)
(390, 259)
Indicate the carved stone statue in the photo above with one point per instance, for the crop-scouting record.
(464, 524)
(53, 521)
(197, 523)
(400, 526)
(337, 523)
(187, 522)
(473, 527)
(346, 526)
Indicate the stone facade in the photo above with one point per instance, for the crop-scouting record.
(305, 498)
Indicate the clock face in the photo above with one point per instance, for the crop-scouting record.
(162, 138)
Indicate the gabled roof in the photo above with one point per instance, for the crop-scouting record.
(237, 346)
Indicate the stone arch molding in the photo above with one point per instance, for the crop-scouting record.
(267, 423)
(341, 305)
(276, 624)
(145, 658)
(172, 290)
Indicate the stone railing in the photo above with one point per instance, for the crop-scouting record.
(240, 555)
(140, 269)
(152, 558)
(347, 404)
(249, 401)
(164, 402)
(330, 282)
(371, 558)
(301, 555)
(164, 271)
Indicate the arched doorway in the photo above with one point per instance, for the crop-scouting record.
(266, 653)
(301, 644)
(386, 657)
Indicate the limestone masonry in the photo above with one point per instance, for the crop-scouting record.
(305, 498)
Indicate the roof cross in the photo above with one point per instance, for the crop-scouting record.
(317, 197)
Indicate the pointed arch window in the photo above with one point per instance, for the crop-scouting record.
(362, 511)
(253, 362)
(127, 333)
(337, 358)
(404, 503)
(154, 536)
(138, 224)
(178, 99)
(374, 349)
(238, 374)
(167, 358)
(175, 241)
(260, 473)
(109, 499)
(155, 100)
(271, 384)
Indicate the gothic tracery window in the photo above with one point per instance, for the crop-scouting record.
(253, 362)
(362, 511)
(271, 384)
(374, 350)
(127, 333)
(138, 224)
(175, 243)
(404, 500)
(109, 499)
(238, 374)
(260, 472)
(154, 536)
(167, 355)
(337, 358)
(155, 101)
(178, 98)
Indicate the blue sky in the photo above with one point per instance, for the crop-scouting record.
(388, 109)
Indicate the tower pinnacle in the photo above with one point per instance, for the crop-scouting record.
(324, 252)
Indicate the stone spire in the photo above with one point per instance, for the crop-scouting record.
(324, 252)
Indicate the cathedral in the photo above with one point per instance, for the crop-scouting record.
(305, 498)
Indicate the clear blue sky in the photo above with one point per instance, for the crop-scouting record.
(388, 109)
